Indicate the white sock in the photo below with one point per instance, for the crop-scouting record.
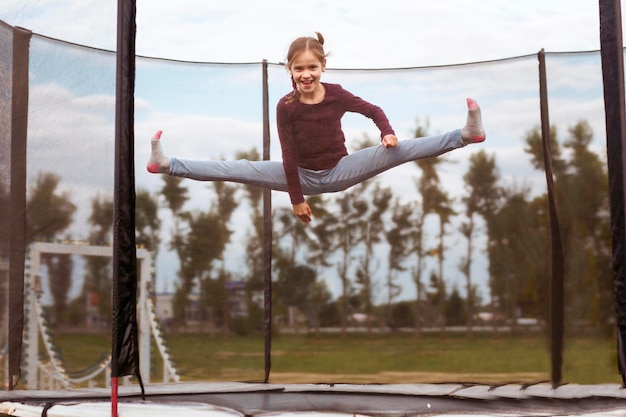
(158, 163)
(473, 131)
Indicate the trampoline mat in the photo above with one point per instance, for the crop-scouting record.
(242, 399)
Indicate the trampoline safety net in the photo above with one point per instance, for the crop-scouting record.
(436, 271)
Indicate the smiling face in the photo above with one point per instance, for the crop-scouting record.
(306, 70)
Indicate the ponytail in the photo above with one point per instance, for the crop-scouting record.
(320, 39)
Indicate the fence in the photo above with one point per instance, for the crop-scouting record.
(215, 111)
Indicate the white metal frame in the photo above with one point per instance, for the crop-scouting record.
(144, 313)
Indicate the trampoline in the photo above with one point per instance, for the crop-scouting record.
(252, 399)
(224, 399)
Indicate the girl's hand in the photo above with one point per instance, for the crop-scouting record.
(302, 211)
(390, 141)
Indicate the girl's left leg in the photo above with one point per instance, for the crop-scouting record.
(366, 163)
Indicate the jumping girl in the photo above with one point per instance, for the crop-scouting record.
(315, 159)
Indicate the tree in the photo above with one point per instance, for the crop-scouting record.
(402, 314)
(319, 298)
(426, 186)
(320, 246)
(204, 244)
(417, 247)
(480, 199)
(254, 247)
(444, 211)
(60, 269)
(435, 293)
(175, 196)
(49, 213)
(197, 250)
(200, 243)
(370, 231)
(455, 310)
(215, 295)
(294, 238)
(399, 237)
(222, 212)
(293, 233)
(586, 195)
(174, 193)
(436, 201)
(518, 261)
(147, 222)
(297, 286)
(98, 269)
(322, 243)
(344, 239)
(580, 183)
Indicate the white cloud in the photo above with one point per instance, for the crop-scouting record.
(360, 33)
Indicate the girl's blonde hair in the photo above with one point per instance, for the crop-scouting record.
(304, 43)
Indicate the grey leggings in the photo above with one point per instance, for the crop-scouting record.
(350, 170)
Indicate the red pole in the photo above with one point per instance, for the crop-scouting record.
(114, 388)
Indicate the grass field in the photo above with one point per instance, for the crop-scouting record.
(376, 359)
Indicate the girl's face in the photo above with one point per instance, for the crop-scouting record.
(306, 70)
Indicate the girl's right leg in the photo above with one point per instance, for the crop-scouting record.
(266, 174)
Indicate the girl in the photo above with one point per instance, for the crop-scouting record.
(315, 159)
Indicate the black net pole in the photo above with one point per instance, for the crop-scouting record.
(267, 232)
(611, 48)
(17, 224)
(124, 337)
(557, 272)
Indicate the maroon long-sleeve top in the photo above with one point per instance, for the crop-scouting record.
(311, 136)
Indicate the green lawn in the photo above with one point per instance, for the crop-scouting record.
(376, 359)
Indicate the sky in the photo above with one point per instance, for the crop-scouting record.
(364, 34)
(359, 34)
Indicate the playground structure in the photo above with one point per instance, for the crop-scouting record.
(47, 370)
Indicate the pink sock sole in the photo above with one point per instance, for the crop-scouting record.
(471, 103)
(153, 168)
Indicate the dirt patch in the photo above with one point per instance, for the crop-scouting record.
(230, 354)
(392, 378)
(407, 378)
